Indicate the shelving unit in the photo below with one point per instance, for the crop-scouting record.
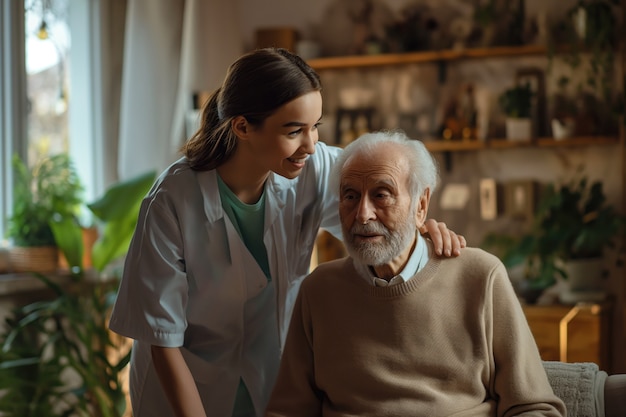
(364, 61)
(586, 336)
(443, 56)
(449, 147)
(477, 145)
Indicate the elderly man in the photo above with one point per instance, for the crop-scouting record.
(393, 329)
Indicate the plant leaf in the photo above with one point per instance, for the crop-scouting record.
(122, 197)
(69, 238)
(118, 209)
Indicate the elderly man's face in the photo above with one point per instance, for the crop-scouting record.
(379, 225)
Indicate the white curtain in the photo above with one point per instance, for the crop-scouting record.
(172, 49)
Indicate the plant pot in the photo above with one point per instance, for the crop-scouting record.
(519, 128)
(562, 129)
(89, 235)
(5, 266)
(528, 292)
(584, 281)
(43, 259)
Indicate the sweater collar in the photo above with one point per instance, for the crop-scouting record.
(417, 260)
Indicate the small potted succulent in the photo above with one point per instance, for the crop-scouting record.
(516, 103)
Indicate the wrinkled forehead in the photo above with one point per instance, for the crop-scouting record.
(384, 160)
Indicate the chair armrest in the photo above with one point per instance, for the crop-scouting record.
(615, 395)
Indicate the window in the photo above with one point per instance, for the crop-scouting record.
(47, 47)
(49, 88)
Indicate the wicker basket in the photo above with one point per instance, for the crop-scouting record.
(42, 259)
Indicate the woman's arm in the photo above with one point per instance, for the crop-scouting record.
(177, 382)
(444, 240)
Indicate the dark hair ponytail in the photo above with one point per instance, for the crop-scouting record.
(214, 141)
(256, 85)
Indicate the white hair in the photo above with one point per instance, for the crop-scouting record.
(424, 172)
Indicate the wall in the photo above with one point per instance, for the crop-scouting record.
(417, 86)
(304, 15)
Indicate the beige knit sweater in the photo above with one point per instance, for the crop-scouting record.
(452, 340)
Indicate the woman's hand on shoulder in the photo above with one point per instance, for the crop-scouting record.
(445, 241)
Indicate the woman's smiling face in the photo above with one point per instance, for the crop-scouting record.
(287, 137)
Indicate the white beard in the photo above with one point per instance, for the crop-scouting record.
(375, 254)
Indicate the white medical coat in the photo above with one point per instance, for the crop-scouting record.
(189, 281)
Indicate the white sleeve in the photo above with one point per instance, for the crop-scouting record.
(152, 296)
(330, 198)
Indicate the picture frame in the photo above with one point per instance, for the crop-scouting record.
(521, 199)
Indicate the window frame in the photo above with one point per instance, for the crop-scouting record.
(13, 109)
(85, 118)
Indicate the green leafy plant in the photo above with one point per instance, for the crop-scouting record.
(515, 16)
(578, 221)
(588, 34)
(57, 356)
(50, 190)
(517, 101)
(530, 251)
(564, 105)
(117, 212)
(572, 221)
(596, 34)
(54, 356)
(485, 13)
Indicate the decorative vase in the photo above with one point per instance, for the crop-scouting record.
(43, 259)
(519, 128)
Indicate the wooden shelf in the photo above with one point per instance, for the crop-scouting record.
(476, 145)
(578, 141)
(454, 145)
(361, 61)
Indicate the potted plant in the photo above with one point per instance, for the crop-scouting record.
(592, 28)
(564, 111)
(573, 227)
(45, 342)
(48, 191)
(516, 103)
(486, 17)
(577, 220)
(529, 259)
(587, 39)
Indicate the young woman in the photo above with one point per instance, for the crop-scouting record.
(224, 239)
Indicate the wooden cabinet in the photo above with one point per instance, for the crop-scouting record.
(577, 333)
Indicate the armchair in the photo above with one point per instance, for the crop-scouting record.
(586, 390)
